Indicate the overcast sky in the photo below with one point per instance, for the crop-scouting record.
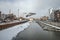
(37, 6)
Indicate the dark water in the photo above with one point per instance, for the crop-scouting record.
(35, 32)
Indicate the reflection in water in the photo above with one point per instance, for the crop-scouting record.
(56, 36)
(35, 32)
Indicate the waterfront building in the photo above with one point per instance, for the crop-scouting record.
(55, 15)
(44, 18)
(7, 17)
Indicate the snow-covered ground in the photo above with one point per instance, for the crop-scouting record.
(9, 33)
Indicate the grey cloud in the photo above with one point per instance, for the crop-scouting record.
(39, 6)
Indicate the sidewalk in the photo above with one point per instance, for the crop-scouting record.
(53, 23)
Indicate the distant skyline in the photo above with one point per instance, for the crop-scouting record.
(25, 6)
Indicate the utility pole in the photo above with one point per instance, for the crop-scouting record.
(49, 13)
(0, 14)
(9, 11)
(18, 13)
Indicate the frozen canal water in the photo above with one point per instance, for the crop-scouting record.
(35, 32)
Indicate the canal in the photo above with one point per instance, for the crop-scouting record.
(35, 32)
(28, 31)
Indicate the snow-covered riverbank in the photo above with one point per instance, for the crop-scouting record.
(7, 34)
